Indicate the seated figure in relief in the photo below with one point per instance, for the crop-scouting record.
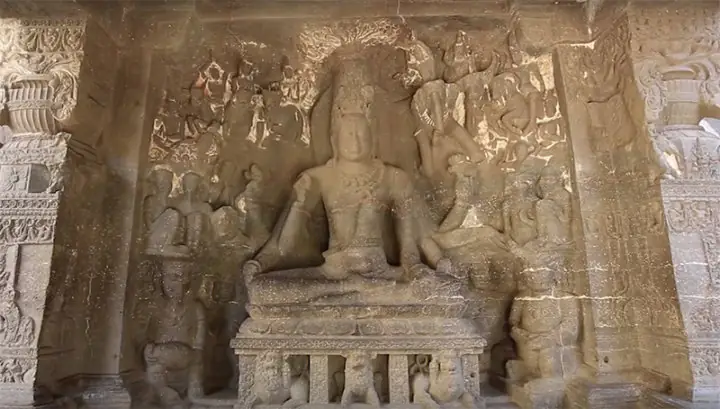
(373, 229)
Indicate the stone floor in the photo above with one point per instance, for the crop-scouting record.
(225, 400)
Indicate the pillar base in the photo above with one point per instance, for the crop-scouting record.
(654, 400)
(583, 394)
(51, 405)
(105, 392)
(25, 396)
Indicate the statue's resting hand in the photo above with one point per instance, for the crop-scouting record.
(250, 270)
(445, 266)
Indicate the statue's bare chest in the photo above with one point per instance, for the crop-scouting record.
(355, 191)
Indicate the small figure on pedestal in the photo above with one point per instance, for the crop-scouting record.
(177, 335)
(545, 325)
(443, 384)
(272, 388)
(359, 381)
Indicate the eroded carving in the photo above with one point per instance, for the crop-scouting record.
(605, 94)
(359, 381)
(443, 384)
(176, 334)
(271, 387)
(545, 324)
(15, 370)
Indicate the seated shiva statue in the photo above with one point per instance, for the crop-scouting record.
(370, 224)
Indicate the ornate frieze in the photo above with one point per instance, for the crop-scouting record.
(16, 329)
(705, 358)
(700, 216)
(26, 230)
(17, 370)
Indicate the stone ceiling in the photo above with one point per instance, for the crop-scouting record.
(250, 8)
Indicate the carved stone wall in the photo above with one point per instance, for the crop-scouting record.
(635, 317)
(244, 110)
(157, 214)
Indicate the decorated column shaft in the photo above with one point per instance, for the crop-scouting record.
(47, 182)
(675, 58)
(634, 318)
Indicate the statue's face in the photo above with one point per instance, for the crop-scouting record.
(163, 179)
(354, 140)
(173, 287)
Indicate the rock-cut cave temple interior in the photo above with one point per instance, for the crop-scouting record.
(326, 204)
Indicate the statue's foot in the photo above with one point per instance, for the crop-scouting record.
(196, 392)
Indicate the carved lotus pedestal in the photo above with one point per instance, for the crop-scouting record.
(393, 335)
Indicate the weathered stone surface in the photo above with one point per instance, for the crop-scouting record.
(222, 204)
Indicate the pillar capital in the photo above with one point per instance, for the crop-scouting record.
(42, 53)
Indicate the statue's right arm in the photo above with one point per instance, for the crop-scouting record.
(200, 329)
(426, 157)
(455, 217)
(287, 229)
(515, 312)
(474, 151)
(305, 198)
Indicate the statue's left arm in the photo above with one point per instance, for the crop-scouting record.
(405, 205)
(571, 323)
(474, 151)
(200, 328)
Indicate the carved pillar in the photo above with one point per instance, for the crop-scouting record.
(319, 379)
(675, 57)
(399, 378)
(619, 209)
(246, 379)
(51, 188)
(471, 370)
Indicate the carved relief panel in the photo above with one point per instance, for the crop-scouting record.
(465, 178)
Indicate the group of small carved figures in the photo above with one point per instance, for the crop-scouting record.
(218, 106)
(526, 220)
(181, 230)
(436, 380)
